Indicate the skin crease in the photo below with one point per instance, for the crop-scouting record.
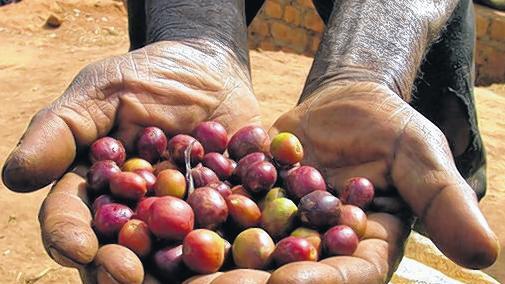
(368, 40)
(195, 68)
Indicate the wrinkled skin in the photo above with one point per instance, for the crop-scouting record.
(405, 156)
(399, 149)
(171, 85)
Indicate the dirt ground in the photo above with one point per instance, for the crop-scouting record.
(37, 63)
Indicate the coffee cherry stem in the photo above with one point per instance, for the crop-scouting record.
(187, 162)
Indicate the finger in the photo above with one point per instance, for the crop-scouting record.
(118, 264)
(65, 222)
(42, 155)
(203, 279)
(289, 121)
(48, 146)
(88, 275)
(426, 177)
(237, 276)
(242, 276)
(305, 272)
(377, 254)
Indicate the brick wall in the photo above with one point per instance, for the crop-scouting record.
(490, 54)
(294, 26)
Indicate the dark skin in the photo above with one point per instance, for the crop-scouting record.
(195, 67)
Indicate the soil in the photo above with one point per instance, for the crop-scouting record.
(37, 62)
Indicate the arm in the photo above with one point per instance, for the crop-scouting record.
(354, 119)
(193, 68)
(377, 41)
(202, 44)
(220, 22)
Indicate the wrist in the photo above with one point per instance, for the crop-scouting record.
(216, 62)
(339, 76)
(359, 92)
(377, 41)
(221, 22)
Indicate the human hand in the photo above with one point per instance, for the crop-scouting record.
(378, 251)
(364, 129)
(169, 84)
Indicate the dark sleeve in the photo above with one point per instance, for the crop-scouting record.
(251, 9)
(136, 23)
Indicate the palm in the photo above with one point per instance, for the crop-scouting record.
(365, 130)
(176, 86)
(171, 85)
(345, 135)
(349, 136)
(361, 130)
(167, 84)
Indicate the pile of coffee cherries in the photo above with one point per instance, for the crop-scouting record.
(202, 203)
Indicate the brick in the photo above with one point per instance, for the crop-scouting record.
(480, 56)
(497, 30)
(288, 49)
(273, 9)
(280, 31)
(481, 25)
(259, 28)
(312, 21)
(490, 64)
(306, 3)
(298, 38)
(292, 15)
(268, 45)
(308, 53)
(314, 44)
(252, 44)
(495, 66)
(483, 53)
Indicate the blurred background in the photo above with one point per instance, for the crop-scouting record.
(44, 43)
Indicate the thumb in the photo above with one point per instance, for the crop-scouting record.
(290, 121)
(42, 155)
(48, 147)
(424, 172)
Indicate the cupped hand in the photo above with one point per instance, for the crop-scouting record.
(364, 129)
(377, 254)
(171, 85)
